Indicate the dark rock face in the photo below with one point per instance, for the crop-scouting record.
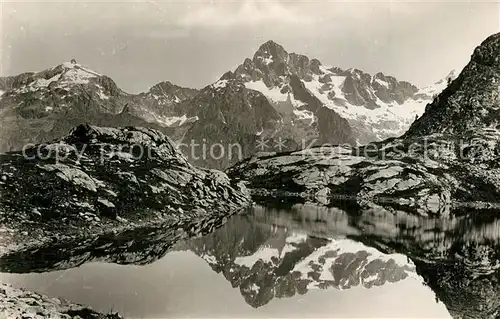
(161, 104)
(99, 179)
(273, 71)
(9, 82)
(168, 89)
(398, 91)
(229, 116)
(471, 101)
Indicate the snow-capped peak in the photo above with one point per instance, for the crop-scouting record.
(270, 47)
(77, 74)
(70, 65)
(377, 106)
(64, 75)
(220, 84)
(270, 52)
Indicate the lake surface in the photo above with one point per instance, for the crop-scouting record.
(294, 262)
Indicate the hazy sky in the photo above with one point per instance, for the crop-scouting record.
(192, 43)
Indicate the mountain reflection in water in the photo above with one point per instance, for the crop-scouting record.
(299, 261)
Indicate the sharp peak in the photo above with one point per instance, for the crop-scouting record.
(270, 44)
(167, 85)
(68, 65)
(492, 38)
(453, 74)
(162, 83)
(71, 63)
(488, 52)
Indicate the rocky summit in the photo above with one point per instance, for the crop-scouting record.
(98, 180)
(374, 106)
(161, 105)
(20, 303)
(448, 157)
(39, 106)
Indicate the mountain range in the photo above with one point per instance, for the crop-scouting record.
(97, 179)
(284, 98)
(446, 160)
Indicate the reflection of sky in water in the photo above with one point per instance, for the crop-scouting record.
(183, 285)
(269, 259)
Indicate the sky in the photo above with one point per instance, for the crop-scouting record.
(192, 43)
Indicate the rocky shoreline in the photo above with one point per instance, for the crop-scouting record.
(23, 304)
(104, 180)
(102, 184)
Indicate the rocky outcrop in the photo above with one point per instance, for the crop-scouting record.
(471, 101)
(398, 172)
(20, 303)
(96, 180)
